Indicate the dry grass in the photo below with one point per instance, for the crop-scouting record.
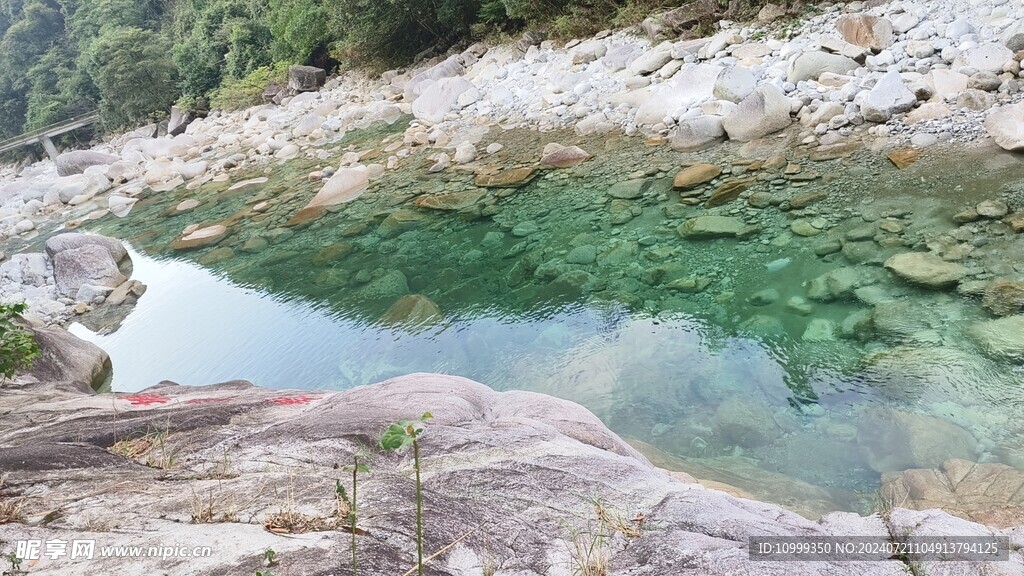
(12, 510)
(589, 552)
(212, 507)
(151, 450)
(294, 522)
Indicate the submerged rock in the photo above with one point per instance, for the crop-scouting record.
(704, 227)
(513, 178)
(894, 440)
(559, 156)
(201, 237)
(1003, 297)
(693, 176)
(412, 310)
(1002, 338)
(926, 269)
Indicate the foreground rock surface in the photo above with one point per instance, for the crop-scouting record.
(523, 465)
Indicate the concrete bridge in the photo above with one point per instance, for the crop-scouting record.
(45, 133)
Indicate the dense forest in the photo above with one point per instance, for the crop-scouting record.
(134, 58)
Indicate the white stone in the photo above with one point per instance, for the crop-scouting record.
(890, 96)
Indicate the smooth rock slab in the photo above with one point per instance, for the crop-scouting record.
(693, 176)
(925, 269)
(705, 227)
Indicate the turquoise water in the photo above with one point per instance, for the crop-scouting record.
(557, 288)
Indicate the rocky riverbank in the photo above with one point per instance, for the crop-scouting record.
(510, 479)
(818, 113)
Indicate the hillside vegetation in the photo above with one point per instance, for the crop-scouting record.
(134, 58)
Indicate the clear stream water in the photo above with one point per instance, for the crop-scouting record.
(556, 288)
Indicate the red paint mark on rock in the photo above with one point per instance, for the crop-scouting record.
(293, 400)
(145, 399)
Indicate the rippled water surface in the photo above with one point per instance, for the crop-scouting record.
(557, 288)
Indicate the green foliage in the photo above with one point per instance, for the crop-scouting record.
(352, 502)
(134, 74)
(18, 348)
(248, 91)
(400, 435)
(298, 28)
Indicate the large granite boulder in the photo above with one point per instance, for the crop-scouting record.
(86, 260)
(72, 240)
(697, 133)
(811, 65)
(890, 96)
(867, 31)
(439, 98)
(765, 111)
(76, 161)
(90, 265)
(65, 362)
(526, 466)
(306, 78)
(1005, 125)
(894, 440)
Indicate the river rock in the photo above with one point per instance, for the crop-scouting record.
(989, 493)
(811, 65)
(512, 178)
(734, 84)
(693, 134)
(399, 222)
(439, 98)
(627, 190)
(305, 78)
(705, 227)
(1013, 36)
(925, 269)
(1003, 297)
(866, 31)
(1005, 125)
(90, 264)
(449, 200)
(984, 58)
(201, 237)
(894, 440)
(564, 156)
(76, 161)
(391, 284)
(693, 176)
(840, 284)
(765, 111)
(904, 157)
(890, 96)
(72, 240)
(728, 191)
(346, 185)
(412, 310)
(1002, 338)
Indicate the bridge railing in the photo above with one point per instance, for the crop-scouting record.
(51, 130)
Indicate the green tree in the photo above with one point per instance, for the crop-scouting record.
(299, 28)
(18, 347)
(134, 73)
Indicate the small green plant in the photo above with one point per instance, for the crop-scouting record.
(269, 560)
(344, 502)
(15, 564)
(397, 436)
(18, 348)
